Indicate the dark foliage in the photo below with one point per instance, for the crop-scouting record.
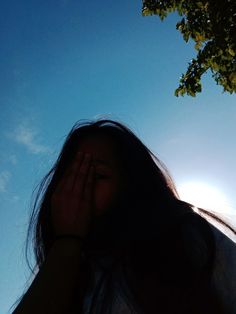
(211, 25)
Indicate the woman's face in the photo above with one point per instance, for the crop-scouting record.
(108, 171)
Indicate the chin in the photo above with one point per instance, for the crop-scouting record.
(100, 236)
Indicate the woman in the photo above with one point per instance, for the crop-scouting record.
(112, 236)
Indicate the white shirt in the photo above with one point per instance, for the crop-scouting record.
(120, 305)
(224, 278)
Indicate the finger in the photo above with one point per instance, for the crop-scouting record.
(82, 174)
(88, 189)
(68, 178)
(74, 164)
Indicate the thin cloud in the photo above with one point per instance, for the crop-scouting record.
(4, 179)
(15, 198)
(12, 159)
(27, 137)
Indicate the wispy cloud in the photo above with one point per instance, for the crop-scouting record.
(13, 159)
(28, 137)
(4, 179)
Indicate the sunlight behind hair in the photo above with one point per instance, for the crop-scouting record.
(204, 195)
(210, 198)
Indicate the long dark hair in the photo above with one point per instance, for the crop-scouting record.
(149, 225)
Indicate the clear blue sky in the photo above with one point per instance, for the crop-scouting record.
(62, 61)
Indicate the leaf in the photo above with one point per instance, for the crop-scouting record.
(232, 52)
(232, 77)
(198, 45)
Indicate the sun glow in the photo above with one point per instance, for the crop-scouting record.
(211, 199)
(204, 195)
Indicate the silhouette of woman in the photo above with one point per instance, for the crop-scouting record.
(111, 234)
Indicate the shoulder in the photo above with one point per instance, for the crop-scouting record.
(195, 240)
(224, 275)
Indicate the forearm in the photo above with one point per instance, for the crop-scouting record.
(54, 287)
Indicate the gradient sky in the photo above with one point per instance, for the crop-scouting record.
(62, 61)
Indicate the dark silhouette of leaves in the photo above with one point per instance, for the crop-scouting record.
(212, 26)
